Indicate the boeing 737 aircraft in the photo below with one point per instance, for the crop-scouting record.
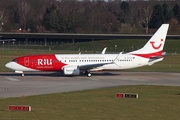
(74, 64)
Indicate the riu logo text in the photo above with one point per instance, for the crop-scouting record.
(44, 61)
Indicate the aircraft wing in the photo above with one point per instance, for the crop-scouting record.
(91, 66)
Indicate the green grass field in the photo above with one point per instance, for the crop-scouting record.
(154, 103)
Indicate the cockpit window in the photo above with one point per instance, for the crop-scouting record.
(14, 60)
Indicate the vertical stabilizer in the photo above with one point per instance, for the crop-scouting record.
(155, 45)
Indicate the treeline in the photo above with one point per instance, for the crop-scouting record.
(88, 16)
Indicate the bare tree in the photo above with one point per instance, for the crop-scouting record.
(1, 20)
(145, 12)
(24, 12)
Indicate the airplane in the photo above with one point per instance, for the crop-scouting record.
(75, 64)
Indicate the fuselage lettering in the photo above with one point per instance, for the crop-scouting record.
(44, 61)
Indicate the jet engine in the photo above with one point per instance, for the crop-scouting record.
(71, 70)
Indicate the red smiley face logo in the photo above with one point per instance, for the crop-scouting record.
(152, 43)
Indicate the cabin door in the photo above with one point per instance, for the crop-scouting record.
(26, 61)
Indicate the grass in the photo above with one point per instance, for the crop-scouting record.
(154, 102)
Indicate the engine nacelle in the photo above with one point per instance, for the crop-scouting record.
(71, 70)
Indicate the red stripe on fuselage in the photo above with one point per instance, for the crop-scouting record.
(47, 62)
(150, 54)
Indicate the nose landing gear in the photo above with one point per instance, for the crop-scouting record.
(20, 72)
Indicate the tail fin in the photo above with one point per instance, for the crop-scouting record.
(155, 45)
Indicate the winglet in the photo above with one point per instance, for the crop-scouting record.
(116, 59)
(104, 50)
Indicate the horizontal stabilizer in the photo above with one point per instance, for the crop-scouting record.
(163, 53)
(155, 59)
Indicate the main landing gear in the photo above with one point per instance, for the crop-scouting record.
(88, 73)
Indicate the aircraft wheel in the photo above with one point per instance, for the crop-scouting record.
(89, 75)
(22, 74)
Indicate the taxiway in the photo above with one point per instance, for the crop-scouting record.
(13, 85)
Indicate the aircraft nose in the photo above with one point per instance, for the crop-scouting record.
(9, 65)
